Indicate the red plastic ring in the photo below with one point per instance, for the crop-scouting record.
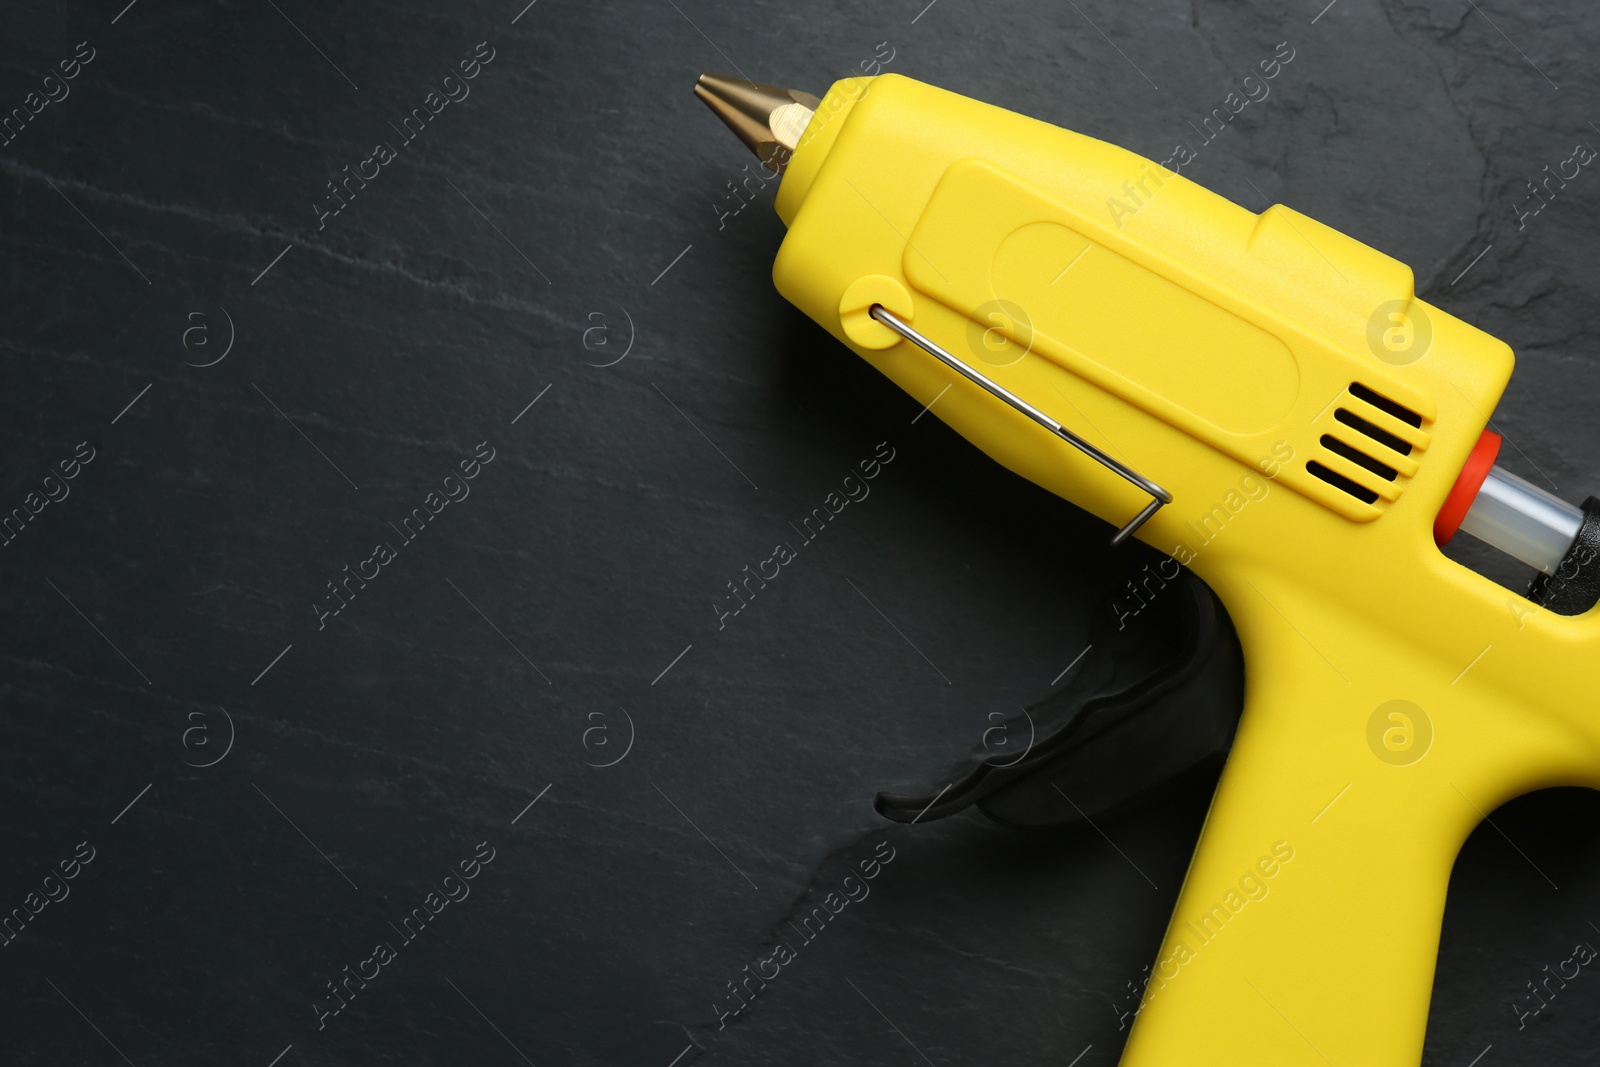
(1465, 491)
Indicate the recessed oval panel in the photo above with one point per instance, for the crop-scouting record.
(1105, 308)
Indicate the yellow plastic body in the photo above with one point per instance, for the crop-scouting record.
(1393, 697)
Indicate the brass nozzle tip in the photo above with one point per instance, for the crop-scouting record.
(768, 119)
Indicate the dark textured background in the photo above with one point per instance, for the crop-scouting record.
(423, 320)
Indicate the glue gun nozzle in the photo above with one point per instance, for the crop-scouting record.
(768, 119)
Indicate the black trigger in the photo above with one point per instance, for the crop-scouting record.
(1155, 702)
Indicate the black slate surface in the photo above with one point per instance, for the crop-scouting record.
(575, 206)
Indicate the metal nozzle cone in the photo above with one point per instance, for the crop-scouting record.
(768, 119)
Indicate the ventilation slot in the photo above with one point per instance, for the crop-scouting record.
(1383, 437)
(1384, 404)
(1340, 482)
(1359, 458)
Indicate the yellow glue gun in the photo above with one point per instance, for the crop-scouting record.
(1163, 367)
